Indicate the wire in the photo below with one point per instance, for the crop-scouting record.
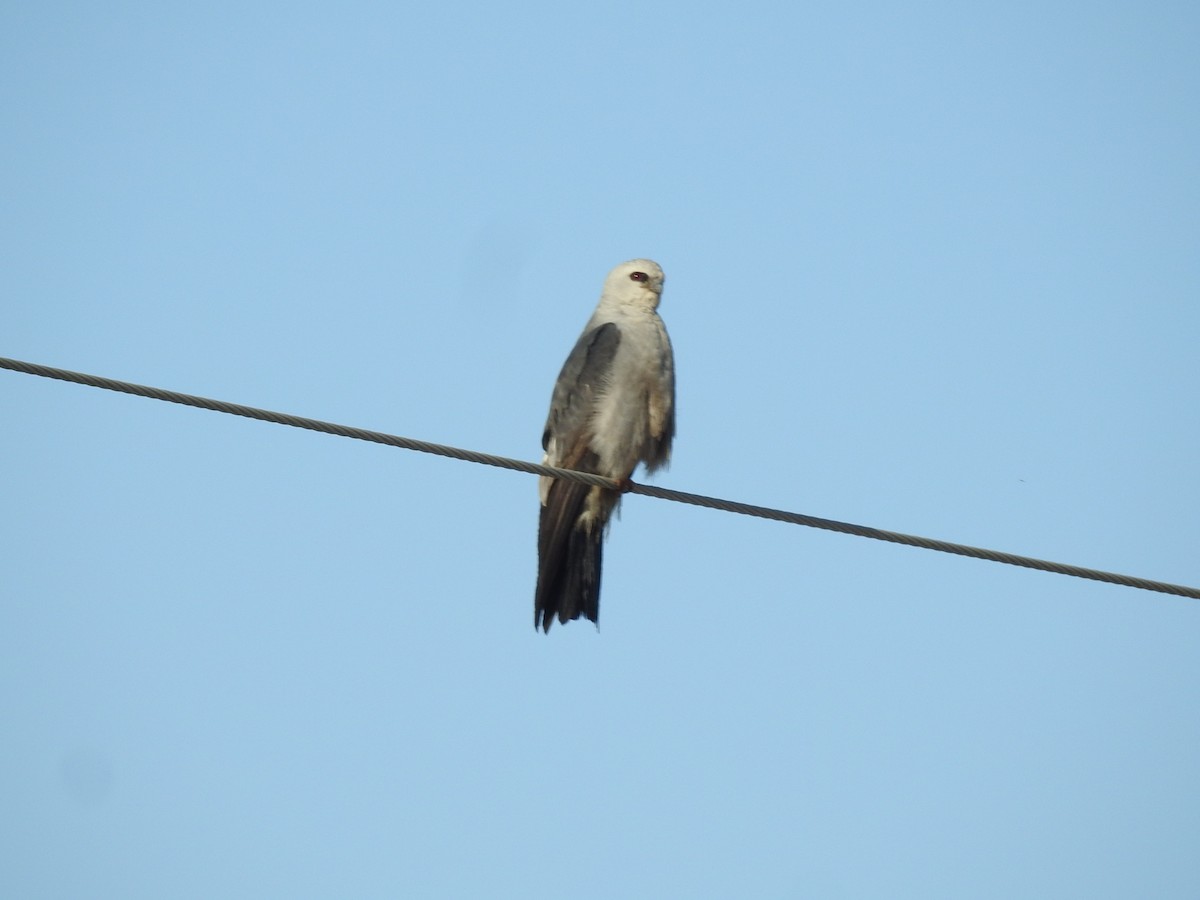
(763, 512)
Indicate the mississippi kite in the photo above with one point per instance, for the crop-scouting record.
(613, 407)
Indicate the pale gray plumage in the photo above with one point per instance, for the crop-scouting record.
(613, 407)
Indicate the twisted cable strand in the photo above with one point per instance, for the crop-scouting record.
(746, 509)
(911, 540)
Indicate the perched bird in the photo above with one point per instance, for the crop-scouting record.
(613, 407)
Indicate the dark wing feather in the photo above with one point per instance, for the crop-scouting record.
(569, 554)
(575, 391)
(568, 583)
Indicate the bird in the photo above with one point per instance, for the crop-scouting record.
(612, 408)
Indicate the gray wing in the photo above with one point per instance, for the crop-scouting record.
(569, 543)
(573, 402)
(658, 450)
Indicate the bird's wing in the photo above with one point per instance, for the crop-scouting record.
(571, 525)
(661, 401)
(583, 376)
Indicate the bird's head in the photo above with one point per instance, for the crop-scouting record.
(638, 282)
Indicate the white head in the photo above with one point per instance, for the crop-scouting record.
(638, 282)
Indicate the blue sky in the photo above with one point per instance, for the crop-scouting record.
(930, 268)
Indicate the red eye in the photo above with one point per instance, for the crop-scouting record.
(640, 276)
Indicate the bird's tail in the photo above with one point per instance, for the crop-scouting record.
(570, 545)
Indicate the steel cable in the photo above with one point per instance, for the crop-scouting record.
(763, 512)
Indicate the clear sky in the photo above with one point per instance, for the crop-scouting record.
(931, 267)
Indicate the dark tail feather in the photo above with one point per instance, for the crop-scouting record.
(569, 557)
(581, 588)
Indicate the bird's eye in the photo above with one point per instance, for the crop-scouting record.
(639, 276)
